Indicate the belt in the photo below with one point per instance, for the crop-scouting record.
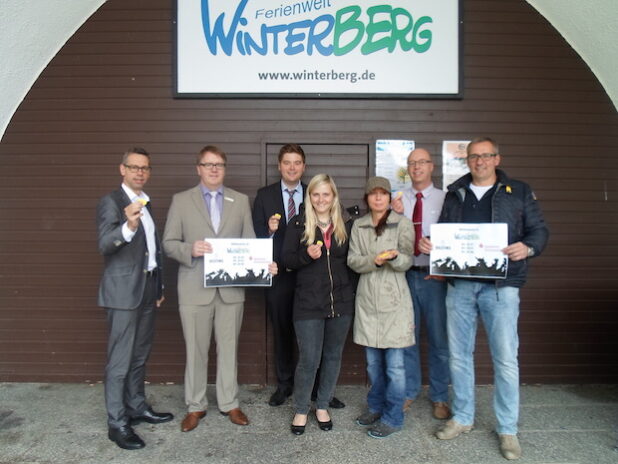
(151, 273)
(420, 268)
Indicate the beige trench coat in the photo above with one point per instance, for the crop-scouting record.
(384, 314)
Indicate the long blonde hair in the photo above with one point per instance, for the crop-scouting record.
(311, 219)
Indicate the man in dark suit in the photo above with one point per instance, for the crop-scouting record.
(274, 206)
(130, 289)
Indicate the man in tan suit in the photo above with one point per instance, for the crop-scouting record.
(208, 210)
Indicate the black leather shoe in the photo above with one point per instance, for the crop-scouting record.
(297, 429)
(279, 397)
(125, 438)
(336, 403)
(326, 426)
(152, 417)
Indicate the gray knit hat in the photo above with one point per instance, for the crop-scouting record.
(377, 182)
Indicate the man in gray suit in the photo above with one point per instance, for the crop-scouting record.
(208, 210)
(130, 290)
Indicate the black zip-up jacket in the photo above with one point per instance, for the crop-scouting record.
(316, 296)
(513, 203)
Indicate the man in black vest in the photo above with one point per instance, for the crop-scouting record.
(130, 290)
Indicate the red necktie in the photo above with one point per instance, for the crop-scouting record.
(417, 220)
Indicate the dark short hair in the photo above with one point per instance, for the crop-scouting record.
(136, 151)
(481, 140)
(291, 148)
(210, 149)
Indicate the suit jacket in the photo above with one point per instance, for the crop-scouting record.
(126, 263)
(188, 220)
(268, 201)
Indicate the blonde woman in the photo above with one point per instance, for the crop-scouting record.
(316, 247)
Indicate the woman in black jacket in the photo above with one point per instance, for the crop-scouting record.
(316, 247)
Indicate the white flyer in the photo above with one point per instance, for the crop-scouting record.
(469, 250)
(238, 262)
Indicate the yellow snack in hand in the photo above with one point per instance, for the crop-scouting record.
(384, 254)
(319, 243)
(142, 201)
(398, 194)
(277, 215)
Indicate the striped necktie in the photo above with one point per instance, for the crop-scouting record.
(291, 204)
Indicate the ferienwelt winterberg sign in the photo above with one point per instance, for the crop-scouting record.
(318, 48)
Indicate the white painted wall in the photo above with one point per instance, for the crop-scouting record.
(591, 28)
(33, 31)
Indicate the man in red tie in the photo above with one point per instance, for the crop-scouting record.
(422, 202)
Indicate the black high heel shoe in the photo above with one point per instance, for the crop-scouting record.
(326, 425)
(297, 429)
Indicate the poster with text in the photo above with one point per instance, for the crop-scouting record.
(238, 262)
(453, 161)
(392, 162)
(318, 48)
(469, 250)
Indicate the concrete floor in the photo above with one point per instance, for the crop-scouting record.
(66, 423)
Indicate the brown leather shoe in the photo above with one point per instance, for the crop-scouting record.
(441, 410)
(407, 404)
(236, 416)
(191, 420)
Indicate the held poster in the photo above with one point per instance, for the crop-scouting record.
(238, 262)
(318, 48)
(469, 250)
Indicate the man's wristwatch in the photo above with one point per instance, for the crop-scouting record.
(530, 252)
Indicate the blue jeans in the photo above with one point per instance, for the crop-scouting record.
(388, 383)
(499, 310)
(320, 344)
(428, 298)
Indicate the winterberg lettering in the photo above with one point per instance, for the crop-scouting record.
(382, 27)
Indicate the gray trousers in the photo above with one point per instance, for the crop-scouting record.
(130, 335)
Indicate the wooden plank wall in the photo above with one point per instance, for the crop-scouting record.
(110, 87)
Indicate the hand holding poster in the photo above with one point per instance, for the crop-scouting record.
(238, 262)
(469, 250)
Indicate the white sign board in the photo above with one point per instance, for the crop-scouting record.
(469, 250)
(237, 262)
(318, 48)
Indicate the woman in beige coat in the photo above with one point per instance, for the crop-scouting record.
(381, 250)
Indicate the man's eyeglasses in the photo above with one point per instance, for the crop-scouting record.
(484, 156)
(134, 169)
(212, 165)
(420, 163)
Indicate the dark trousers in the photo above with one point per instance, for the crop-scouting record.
(130, 335)
(320, 344)
(280, 302)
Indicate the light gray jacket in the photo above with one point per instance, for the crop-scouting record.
(384, 314)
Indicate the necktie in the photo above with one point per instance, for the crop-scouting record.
(417, 220)
(291, 204)
(215, 214)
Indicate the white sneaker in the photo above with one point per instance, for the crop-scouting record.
(452, 429)
(509, 446)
